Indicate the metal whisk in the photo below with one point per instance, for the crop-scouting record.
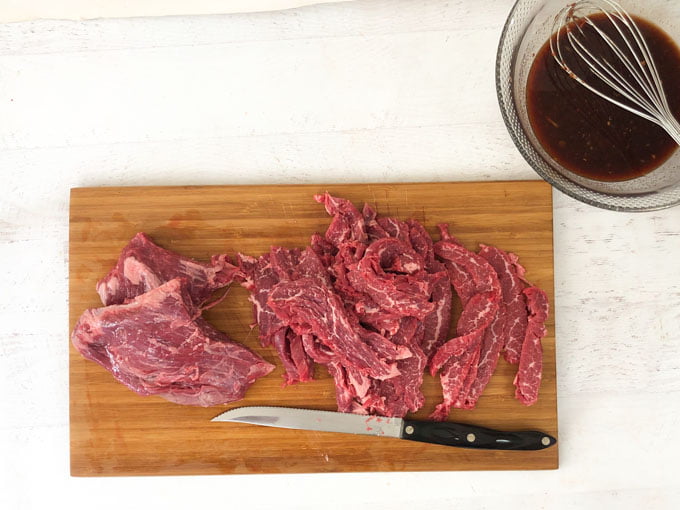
(628, 69)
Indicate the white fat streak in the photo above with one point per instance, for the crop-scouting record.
(137, 271)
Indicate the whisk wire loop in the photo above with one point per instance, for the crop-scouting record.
(635, 80)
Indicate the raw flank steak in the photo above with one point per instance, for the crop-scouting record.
(157, 344)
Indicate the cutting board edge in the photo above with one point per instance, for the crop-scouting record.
(506, 468)
(74, 191)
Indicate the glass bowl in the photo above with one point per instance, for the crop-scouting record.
(528, 27)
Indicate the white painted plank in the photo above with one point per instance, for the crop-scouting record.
(364, 91)
(27, 10)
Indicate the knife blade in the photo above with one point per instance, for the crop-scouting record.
(443, 433)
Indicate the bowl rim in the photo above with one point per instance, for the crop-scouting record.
(507, 107)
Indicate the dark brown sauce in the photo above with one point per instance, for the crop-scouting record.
(589, 135)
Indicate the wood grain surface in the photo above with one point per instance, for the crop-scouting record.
(116, 432)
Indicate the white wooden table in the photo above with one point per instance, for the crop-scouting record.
(361, 91)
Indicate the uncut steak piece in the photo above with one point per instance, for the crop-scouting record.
(143, 265)
(157, 344)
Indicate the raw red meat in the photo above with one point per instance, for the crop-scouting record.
(459, 356)
(479, 290)
(470, 273)
(143, 265)
(311, 308)
(436, 325)
(389, 281)
(511, 312)
(528, 378)
(395, 396)
(373, 228)
(348, 223)
(403, 394)
(489, 352)
(260, 276)
(157, 344)
(371, 300)
(296, 362)
(365, 299)
(516, 306)
(392, 274)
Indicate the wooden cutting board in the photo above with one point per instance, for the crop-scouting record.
(116, 432)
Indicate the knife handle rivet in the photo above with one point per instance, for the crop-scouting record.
(545, 441)
(470, 437)
(409, 429)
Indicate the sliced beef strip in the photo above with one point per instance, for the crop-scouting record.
(437, 323)
(394, 256)
(403, 394)
(318, 352)
(422, 243)
(143, 266)
(479, 290)
(384, 347)
(312, 266)
(395, 228)
(469, 273)
(454, 374)
(445, 234)
(398, 296)
(395, 396)
(347, 224)
(510, 322)
(380, 228)
(405, 289)
(284, 262)
(373, 228)
(259, 277)
(279, 340)
(296, 362)
(470, 376)
(516, 306)
(293, 264)
(479, 319)
(324, 249)
(489, 353)
(351, 387)
(304, 365)
(157, 344)
(312, 308)
(528, 378)
(477, 316)
(369, 312)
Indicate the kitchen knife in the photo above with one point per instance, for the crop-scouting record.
(444, 433)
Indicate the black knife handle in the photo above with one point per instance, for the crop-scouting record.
(470, 436)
